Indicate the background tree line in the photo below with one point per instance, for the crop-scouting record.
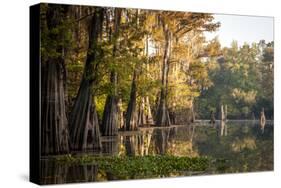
(242, 78)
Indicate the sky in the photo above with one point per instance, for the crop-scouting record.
(242, 29)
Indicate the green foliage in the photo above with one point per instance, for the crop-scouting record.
(140, 166)
(244, 81)
(55, 37)
(100, 103)
(238, 80)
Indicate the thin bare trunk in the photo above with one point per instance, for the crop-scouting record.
(162, 117)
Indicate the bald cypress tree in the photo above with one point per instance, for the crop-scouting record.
(110, 115)
(83, 122)
(175, 25)
(54, 129)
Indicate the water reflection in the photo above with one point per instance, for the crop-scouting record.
(110, 145)
(51, 173)
(136, 144)
(160, 138)
(237, 146)
(222, 128)
(57, 173)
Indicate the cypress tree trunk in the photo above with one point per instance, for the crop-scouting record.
(54, 130)
(94, 132)
(146, 107)
(162, 116)
(131, 114)
(120, 115)
(141, 113)
(192, 114)
(84, 129)
(110, 119)
(110, 114)
(149, 118)
(144, 114)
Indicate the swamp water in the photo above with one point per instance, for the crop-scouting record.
(239, 147)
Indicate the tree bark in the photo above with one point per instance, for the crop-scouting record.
(110, 116)
(54, 130)
(192, 118)
(84, 129)
(144, 114)
(141, 113)
(121, 121)
(149, 118)
(110, 119)
(162, 116)
(131, 114)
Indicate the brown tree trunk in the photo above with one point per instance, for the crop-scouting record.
(131, 114)
(84, 130)
(145, 105)
(110, 116)
(192, 114)
(54, 130)
(144, 112)
(141, 113)
(110, 119)
(120, 115)
(162, 116)
(149, 118)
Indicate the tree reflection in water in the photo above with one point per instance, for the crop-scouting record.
(241, 148)
(52, 173)
(57, 173)
(136, 144)
(161, 137)
(110, 145)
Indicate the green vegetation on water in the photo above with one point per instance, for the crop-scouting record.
(136, 166)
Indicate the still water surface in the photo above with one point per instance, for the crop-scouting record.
(240, 146)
